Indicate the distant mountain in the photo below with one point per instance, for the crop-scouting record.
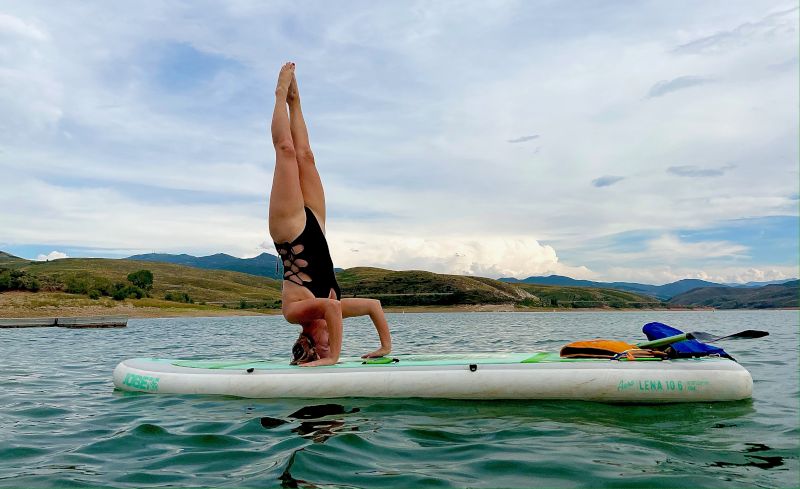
(659, 291)
(767, 297)
(761, 284)
(263, 265)
(8, 258)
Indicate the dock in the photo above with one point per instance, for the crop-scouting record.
(66, 322)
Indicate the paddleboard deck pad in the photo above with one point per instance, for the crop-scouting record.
(541, 375)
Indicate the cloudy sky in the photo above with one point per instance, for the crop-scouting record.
(646, 140)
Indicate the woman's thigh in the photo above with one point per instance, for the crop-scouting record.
(353, 307)
(307, 310)
(286, 213)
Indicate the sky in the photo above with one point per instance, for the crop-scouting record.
(642, 141)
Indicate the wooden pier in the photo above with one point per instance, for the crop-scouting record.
(66, 322)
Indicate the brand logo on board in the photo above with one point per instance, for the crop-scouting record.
(142, 382)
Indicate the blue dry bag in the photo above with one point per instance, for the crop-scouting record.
(682, 349)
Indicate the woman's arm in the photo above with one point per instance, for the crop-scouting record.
(371, 308)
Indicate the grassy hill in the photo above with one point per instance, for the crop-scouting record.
(582, 297)
(425, 288)
(416, 287)
(766, 297)
(200, 285)
(217, 287)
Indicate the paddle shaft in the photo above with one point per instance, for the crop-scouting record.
(665, 341)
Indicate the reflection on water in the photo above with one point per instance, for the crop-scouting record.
(320, 411)
(290, 482)
(268, 422)
(318, 431)
(758, 461)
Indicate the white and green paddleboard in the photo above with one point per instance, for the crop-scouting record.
(448, 376)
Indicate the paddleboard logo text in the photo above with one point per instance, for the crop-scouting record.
(658, 385)
(143, 382)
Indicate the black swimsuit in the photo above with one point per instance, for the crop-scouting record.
(311, 247)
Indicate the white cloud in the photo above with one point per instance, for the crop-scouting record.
(11, 26)
(666, 274)
(53, 255)
(671, 248)
(477, 255)
(410, 108)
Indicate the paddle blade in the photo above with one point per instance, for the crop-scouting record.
(742, 335)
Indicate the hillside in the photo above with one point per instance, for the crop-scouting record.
(417, 287)
(3, 254)
(7, 258)
(581, 297)
(766, 297)
(201, 285)
(427, 288)
(62, 280)
(263, 265)
(65, 281)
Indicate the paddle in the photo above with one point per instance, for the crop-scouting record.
(701, 336)
(741, 335)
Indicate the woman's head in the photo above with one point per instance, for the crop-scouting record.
(304, 350)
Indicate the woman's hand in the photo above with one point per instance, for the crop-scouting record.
(384, 350)
(320, 363)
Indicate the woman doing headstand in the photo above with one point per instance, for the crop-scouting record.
(310, 294)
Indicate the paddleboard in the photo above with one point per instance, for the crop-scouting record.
(541, 375)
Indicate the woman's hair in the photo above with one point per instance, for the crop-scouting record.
(304, 350)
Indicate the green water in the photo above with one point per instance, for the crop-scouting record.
(62, 424)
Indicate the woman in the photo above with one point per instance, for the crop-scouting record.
(310, 295)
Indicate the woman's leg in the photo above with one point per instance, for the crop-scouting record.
(372, 308)
(286, 214)
(310, 182)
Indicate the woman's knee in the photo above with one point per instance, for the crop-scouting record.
(304, 156)
(284, 147)
(333, 306)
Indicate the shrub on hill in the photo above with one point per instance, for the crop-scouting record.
(18, 280)
(142, 279)
(178, 297)
(122, 291)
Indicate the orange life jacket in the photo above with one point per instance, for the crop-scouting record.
(600, 348)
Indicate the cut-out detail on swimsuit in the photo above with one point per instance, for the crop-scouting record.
(307, 260)
(292, 264)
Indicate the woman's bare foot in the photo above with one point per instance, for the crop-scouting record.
(293, 97)
(284, 80)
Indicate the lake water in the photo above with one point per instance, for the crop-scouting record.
(63, 424)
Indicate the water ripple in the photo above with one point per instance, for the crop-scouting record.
(64, 425)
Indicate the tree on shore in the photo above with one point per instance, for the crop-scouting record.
(142, 279)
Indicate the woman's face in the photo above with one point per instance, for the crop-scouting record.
(317, 330)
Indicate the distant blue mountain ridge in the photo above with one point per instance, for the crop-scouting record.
(267, 265)
(664, 292)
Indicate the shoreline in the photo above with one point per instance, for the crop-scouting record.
(23, 305)
(136, 312)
